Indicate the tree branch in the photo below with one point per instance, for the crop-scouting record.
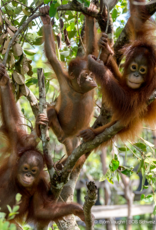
(77, 6)
(85, 148)
(33, 101)
(44, 129)
(90, 200)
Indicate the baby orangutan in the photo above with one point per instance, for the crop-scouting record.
(127, 94)
(74, 107)
(22, 172)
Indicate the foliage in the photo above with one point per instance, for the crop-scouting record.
(26, 55)
(4, 224)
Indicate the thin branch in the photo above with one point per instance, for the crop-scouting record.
(33, 101)
(77, 6)
(44, 129)
(84, 148)
(90, 200)
(107, 25)
(133, 152)
(89, 146)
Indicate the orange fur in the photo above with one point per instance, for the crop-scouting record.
(129, 106)
(22, 172)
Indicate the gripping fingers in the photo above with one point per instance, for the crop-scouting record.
(92, 7)
(102, 43)
(42, 120)
(41, 123)
(104, 35)
(44, 10)
(43, 117)
(87, 134)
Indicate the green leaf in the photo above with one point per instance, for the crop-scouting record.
(59, 2)
(151, 161)
(14, 3)
(9, 208)
(114, 14)
(104, 177)
(31, 81)
(143, 176)
(15, 208)
(142, 196)
(71, 34)
(125, 10)
(48, 75)
(64, 2)
(87, 3)
(140, 146)
(149, 154)
(2, 215)
(65, 53)
(148, 143)
(154, 211)
(140, 165)
(47, 87)
(118, 31)
(145, 187)
(46, 1)
(29, 52)
(52, 10)
(148, 198)
(23, 20)
(110, 180)
(6, 225)
(40, 32)
(22, 110)
(154, 198)
(127, 172)
(114, 165)
(123, 149)
(118, 177)
(18, 197)
(38, 41)
(12, 227)
(12, 214)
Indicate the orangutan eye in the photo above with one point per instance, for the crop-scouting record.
(33, 170)
(25, 168)
(134, 67)
(143, 70)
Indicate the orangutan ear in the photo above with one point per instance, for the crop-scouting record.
(71, 76)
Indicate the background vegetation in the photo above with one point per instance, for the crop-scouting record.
(27, 54)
